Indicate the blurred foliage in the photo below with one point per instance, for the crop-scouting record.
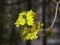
(49, 32)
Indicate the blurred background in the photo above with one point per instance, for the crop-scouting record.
(9, 10)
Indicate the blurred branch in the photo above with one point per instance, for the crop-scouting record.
(54, 16)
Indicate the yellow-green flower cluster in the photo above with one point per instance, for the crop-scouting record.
(25, 18)
(31, 32)
(21, 20)
(30, 17)
(31, 36)
(28, 35)
(40, 26)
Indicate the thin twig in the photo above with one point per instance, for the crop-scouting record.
(54, 16)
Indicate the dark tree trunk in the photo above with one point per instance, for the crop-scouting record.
(29, 7)
(1, 21)
(44, 37)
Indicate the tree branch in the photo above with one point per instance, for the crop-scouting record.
(54, 16)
